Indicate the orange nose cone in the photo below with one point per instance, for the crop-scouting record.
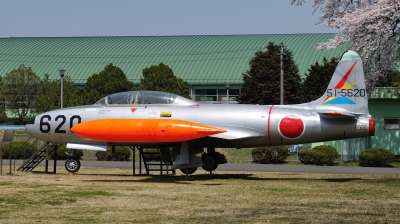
(143, 130)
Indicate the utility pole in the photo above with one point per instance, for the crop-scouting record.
(62, 71)
(227, 93)
(281, 73)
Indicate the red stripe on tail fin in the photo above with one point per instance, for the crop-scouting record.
(345, 77)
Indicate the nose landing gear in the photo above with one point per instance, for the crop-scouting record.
(72, 164)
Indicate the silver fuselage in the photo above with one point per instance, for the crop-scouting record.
(245, 125)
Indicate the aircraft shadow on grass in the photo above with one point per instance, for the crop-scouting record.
(203, 177)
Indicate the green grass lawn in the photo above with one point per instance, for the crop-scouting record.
(111, 195)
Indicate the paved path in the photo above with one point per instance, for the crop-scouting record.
(308, 169)
(250, 167)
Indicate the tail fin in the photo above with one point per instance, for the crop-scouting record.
(346, 93)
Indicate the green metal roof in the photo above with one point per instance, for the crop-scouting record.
(197, 59)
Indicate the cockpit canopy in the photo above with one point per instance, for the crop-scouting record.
(144, 98)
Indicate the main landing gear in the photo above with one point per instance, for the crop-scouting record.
(209, 160)
(212, 159)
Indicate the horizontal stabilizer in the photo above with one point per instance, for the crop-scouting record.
(335, 113)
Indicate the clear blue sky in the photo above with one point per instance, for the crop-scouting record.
(52, 18)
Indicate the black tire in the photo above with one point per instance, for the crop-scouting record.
(189, 170)
(72, 165)
(210, 162)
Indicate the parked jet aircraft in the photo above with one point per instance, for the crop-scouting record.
(160, 119)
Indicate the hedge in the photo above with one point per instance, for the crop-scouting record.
(319, 155)
(376, 157)
(121, 153)
(17, 151)
(271, 154)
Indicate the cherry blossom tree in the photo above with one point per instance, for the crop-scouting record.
(372, 27)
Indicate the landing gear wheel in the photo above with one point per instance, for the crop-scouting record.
(72, 165)
(189, 170)
(210, 163)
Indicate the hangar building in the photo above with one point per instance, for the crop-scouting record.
(208, 63)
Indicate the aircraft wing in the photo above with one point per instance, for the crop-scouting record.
(233, 132)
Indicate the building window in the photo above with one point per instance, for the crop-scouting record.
(392, 123)
(216, 96)
(233, 95)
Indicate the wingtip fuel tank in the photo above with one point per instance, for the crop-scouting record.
(143, 130)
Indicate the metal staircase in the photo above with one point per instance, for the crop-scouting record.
(156, 159)
(41, 154)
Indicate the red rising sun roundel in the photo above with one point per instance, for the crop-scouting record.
(291, 126)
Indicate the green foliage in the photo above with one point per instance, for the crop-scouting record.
(376, 157)
(111, 80)
(272, 154)
(19, 90)
(62, 153)
(18, 152)
(121, 153)
(389, 79)
(161, 78)
(319, 155)
(3, 115)
(318, 78)
(49, 93)
(261, 84)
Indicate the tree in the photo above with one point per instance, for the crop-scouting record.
(19, 90)
(372, 28)
(261, 84)
(49, 98)
(161, 78)
(389, 79)
(3, 115)
(111, 80)
(318, 78)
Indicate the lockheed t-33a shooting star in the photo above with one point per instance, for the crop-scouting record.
(166, 120)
